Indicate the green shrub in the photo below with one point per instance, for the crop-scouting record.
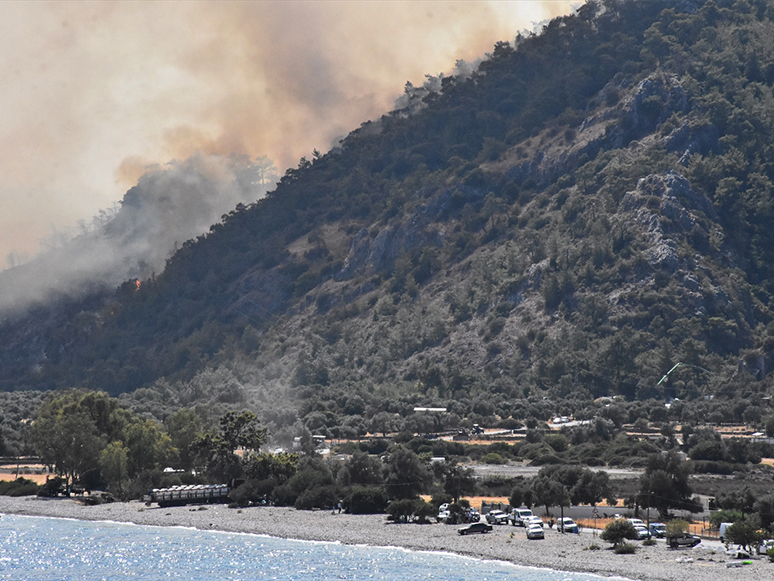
(493, 458)
(245, 494)
(547, 459)
(322, 497)
(19, 487)
(625, 549)
(558, 442)
(617, 532)
(52, 487)
(283, 495)
(714, 467)
(366, 501)
(676, 527)
(440, 498)
(744, 533)
(496, 485)
(423, 512)
(401, 510)
(722, 516)
(410, 510)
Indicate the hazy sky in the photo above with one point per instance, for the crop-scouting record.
(95, 91)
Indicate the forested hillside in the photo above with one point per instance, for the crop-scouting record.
(590, 207)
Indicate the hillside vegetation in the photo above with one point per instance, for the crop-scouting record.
(590, 207)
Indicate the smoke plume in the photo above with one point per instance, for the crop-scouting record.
(96, 91)
(168, 206)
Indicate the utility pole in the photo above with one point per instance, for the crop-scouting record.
(595, 513)
(561, 519)
(648, 513)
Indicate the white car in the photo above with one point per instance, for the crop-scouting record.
(535, 532)
(642, 531)
(765, 546)
(534, 521)
(497, 517)
(443, 516)
(567, 525)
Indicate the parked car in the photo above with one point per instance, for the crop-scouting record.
(519, 516)
(636, 522)
(683, 540)
(765, 546)
(497, 517)
(534, 520)
(567, 525)
(535, 532)
(475, 527)
(642, 532)
(449, 518)
(658, 529)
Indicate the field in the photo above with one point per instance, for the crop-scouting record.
(35, 472)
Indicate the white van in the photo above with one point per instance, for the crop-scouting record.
(723, 527)
(520, 516)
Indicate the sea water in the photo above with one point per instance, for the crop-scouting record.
(50, 549)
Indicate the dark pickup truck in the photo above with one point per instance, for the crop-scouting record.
(684, 540)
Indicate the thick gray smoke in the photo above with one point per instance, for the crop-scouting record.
(168, 206)
(95, 91)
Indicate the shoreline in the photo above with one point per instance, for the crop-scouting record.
(558, 552)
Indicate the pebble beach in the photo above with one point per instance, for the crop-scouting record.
(505, 543)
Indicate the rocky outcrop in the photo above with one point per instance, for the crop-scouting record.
(669, 196)
(689, 139)
(636, 116)
(371, 253)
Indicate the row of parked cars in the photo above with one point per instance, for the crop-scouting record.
(534, 525)
(523, 517)
(471, 515)
(643, 532)
(659, 530)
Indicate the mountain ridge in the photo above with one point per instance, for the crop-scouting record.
(570, 221)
